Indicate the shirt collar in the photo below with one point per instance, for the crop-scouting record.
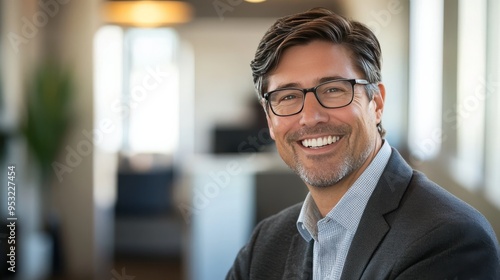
(351, 206)
(308, 218)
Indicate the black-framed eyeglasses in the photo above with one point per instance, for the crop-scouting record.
(331, 94)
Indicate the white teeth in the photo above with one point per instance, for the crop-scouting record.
(320, 141)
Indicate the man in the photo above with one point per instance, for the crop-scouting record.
(368, 215)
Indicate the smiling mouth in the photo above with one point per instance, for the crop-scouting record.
(319, 142)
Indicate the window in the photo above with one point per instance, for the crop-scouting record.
(470, 107)
(137, 90)
(426, 64)
(492, 92)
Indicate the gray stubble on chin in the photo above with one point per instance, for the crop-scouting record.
(324, 176)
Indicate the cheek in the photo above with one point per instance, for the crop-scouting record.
(280, 126)
(362, 117)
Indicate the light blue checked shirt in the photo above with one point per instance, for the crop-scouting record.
(333, 234)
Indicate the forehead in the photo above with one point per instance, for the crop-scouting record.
(306, 65)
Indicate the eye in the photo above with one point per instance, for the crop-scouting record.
(333, 90)
(288, 97)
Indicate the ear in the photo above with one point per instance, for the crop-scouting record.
(379, 100)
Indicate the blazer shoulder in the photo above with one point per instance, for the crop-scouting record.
(449, 237)
(442, 203)
(285, 220)
(434, 207)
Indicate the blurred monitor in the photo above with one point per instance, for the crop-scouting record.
(236, 140)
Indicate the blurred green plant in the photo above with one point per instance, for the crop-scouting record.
(48, 113)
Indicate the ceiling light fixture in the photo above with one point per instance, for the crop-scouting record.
(147, 13)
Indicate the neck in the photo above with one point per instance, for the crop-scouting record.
(327, 198)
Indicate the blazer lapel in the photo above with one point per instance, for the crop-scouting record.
(373, 226)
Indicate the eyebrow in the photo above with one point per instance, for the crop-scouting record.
(319, 81)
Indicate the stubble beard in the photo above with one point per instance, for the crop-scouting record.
(324, 176)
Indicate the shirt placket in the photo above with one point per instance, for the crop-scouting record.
(326, 249)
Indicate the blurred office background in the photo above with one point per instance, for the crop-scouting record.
(139, 148)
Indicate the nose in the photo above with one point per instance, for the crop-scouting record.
(312, 113)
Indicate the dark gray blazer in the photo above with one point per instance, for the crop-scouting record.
(411, 229)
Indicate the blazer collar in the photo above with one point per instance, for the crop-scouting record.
(373, 226)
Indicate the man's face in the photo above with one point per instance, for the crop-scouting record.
(352, 129)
